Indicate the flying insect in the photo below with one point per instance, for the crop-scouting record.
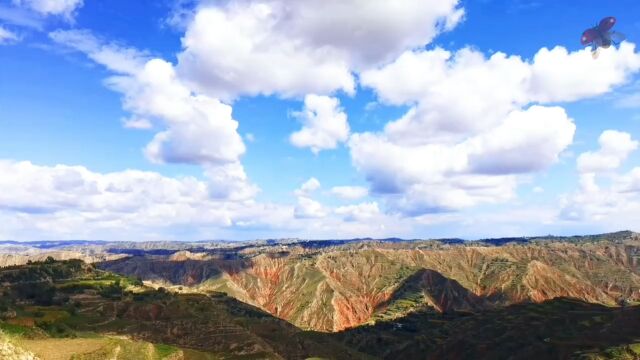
(601, 36)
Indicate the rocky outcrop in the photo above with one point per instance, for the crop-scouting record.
(9, 351)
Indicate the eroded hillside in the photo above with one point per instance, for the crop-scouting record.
(339, 287)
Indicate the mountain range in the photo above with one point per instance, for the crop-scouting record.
(543, 297)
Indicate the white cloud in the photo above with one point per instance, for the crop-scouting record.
(558, 75)
(66, 8)
(449, 90)
(526, 141)
(538, 190)
(610, 206)
(239, 50)
(308, 208)
(615, 147)
(324, 124)
(198, 129)
(21, 17)
(619, 201)
(230, 182)
(480, 169)
(290, 48)
(7, 36)
(117, 58)
(308, 187)
(349, 192)
(137, 123)
(472, 129)
(359, 212)
(40, 190)
(629, 183)
(71, 201)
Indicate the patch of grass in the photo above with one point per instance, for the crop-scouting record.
(41, 313)
(165, 350)
(15, 330)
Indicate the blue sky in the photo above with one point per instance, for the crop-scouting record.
(244, 119)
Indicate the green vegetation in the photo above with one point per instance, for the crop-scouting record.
(165, 350)
(625, 352)
(11, 329)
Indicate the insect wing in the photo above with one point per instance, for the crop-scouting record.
(617, 37)
(589, 36)
(606, 24)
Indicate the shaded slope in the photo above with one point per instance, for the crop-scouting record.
(428, 289)
(556, 329)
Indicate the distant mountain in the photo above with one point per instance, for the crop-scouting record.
(53, 244)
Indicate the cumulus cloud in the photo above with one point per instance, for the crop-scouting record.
(443, 177)
(475, 124)
(308, 187)
(558, 75)
(615, 147)
(66, 8)
(324, 124)
(450, 90)
(604, 205)
(629, 183)
(359, 212)
(41, 189)
(69, 201)
(308, 208)
(349, 192)
(526, 141)
(266, 47)
(620, 199)
(7, 36)
(198, 129)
